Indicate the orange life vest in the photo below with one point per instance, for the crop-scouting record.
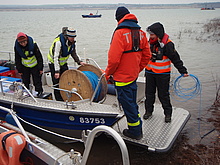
(160, 66)
(11, 146)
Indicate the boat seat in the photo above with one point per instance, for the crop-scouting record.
(11, 146)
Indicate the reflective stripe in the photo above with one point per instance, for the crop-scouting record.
(10, 151)
(134, 124)
(122, 83)
(159, 67)
(50, 56)
(30, 62)
(63, 60)
(164, 60)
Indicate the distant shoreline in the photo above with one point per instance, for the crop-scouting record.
(94, 9)
(72, 7)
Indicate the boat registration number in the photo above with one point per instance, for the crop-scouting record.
(91, 120)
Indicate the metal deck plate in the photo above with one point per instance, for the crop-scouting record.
(158, 136)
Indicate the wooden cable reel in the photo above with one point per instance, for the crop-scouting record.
(73, 78)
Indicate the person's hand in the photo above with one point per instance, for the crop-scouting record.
(110, 79)
(185, 75)
(57, 75)
(82, 63)
(20, 74)
(41, 72)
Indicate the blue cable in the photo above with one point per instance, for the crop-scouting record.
(184, 93)
(188, 93)
(93, 78)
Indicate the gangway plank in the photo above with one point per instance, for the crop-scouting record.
(158, 136)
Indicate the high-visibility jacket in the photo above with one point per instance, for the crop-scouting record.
(28, 58)
(65, 50)
(123, 65)
(160, 66)
(29, 61)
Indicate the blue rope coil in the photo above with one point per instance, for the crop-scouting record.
(188, 93)
(185, 94)
(94, 79)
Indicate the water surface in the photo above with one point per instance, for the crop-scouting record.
(185, 27)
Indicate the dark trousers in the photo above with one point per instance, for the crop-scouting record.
(127, 97)
(63, 68)
(35, 72)
(161, 83)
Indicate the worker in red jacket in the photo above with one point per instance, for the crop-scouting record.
(129, 53)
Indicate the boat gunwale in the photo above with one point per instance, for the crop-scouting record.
(64, 111)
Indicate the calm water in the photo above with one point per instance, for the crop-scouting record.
(93, 37)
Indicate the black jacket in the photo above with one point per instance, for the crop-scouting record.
(20, 67)
(170, 51)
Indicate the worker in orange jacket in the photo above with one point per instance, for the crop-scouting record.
(158, 70)
(129, 53)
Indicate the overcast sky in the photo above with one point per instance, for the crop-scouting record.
(43, 2)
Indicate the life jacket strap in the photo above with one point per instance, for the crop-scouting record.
(135, 35)
(133, 50)
(5, 138)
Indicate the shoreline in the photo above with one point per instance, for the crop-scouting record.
(83, 9)
(77, 7)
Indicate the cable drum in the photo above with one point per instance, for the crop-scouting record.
(93, 78)
(181, 90)
(84, 81)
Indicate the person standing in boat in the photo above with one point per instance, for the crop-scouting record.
(158, 70)
(62, 47)
(29, 61)
(128, 54)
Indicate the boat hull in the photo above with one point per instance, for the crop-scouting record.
(65, 122)
(92, 16)
(207, 8)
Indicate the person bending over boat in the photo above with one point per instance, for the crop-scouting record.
(158, 70)
(129, 53)
(29, 61)
(62, 47)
